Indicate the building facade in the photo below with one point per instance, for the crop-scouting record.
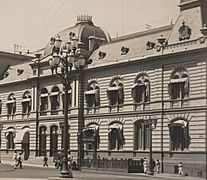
(159, 74)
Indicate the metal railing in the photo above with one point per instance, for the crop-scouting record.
(126, 165)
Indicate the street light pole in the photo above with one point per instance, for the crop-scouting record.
(80, 120)
(37, 55)
(65, 57)
(65, 170)
(152, 125)
(150, 172)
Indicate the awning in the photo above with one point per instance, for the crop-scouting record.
(22, 136)
(178, 80)
(26, 100)
(90, 92)
(179, 123)
(114, 88)
(115, 126)
(9, 130)
(44, 95)
(54, 93)
(69, 91)
(10, 101)
(134, 86)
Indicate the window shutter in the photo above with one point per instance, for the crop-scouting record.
(97, 98)
(121, 95)
(147, 90)
(170, 89)
(186, 87)
(134, 92)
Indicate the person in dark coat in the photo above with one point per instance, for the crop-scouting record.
(45, 159)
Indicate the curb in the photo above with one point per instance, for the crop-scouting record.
(156, 176)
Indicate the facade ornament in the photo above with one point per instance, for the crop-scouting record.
(124, 50)
(184, 32)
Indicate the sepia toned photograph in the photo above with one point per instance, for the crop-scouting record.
(103, 90)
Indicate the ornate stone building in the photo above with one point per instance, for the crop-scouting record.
(159, 74)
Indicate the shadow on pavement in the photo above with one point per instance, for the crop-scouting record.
(6, 168)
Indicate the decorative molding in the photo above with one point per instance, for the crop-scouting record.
(184, 32)
(116, 119)
(101, 54)
(124, 50)
(144, 117)
(93, 121)
(186, 116)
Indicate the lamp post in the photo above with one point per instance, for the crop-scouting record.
(66, 57)
(37, 55)
(152, 123)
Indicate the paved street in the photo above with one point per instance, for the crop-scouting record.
(43, 173)
(29, 172)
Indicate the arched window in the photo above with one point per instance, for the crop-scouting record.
(116, 136)
(43, 101)
(26, 103)
(178, 87)
(91, 134)
(179, 135)
(141, 89)
(92, 95)
(10, 134)
(11, 104)
(55, 100)
(53, 140)
(141, 135)
(42, 141)
(115, 92)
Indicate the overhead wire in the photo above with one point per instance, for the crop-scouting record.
(41, 33)
(41, 24)
(143, 26)
(3, 20)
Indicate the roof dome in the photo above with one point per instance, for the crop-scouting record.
(83, 29)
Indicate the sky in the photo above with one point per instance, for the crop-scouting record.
(31, 23)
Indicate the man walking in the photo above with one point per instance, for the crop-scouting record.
(19, 161)
(180, 169)
(45, 159)
(15, 159)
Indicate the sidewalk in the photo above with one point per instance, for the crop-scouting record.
(6, 166)
(155, 176)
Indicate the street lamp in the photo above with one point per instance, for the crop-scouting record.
(151, 123)
(66, 57)
(37, 55)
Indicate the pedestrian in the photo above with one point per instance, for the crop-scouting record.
(145, 164)
(15, 159)
(45, 159)
(180, 169)
(58, 160)
(70, 160)
(19, 161)
(153, 163)
(157, 166)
